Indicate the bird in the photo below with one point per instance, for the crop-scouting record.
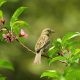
(42, 44)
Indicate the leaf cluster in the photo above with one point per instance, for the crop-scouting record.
(65, 50)
(11, 32)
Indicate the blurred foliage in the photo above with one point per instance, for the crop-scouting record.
(2, 78)
(6, 64)
(61, 15)
(2, 2)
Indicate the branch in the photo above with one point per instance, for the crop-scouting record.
(29, 48)
(25, 46)
(35, 53)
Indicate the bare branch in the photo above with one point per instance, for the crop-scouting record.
(25, 46)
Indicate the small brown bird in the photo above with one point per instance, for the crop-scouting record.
(42, 44)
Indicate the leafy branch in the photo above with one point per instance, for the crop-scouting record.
(66, 50)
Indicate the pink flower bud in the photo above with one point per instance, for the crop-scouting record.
(9, 37)
(23, 34)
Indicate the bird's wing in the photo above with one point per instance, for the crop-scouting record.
(42, 42)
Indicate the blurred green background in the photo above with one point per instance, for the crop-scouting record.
(61, 15)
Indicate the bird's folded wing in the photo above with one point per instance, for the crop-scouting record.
(42, 42)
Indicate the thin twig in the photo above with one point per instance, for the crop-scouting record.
(25, 46)
(30, 49)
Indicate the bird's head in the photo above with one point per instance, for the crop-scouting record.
(47, 31)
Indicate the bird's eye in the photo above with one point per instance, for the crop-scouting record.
(49, 30)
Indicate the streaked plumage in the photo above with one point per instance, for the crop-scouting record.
(42, 44)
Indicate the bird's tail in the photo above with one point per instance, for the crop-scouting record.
(37, 59)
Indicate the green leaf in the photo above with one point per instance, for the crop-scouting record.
(2, 77)
(16, 14)
(2, 2)
(6, 64)
(77, 51)
(69, 36)
(74, 56)
(59, 40)
(56, 47)
(72, 44)
(1, 14)
(58, 58)
(21, 23)
(52, 51)
(50, 73)
(62, 78)
(16, 27)
(72, 74)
